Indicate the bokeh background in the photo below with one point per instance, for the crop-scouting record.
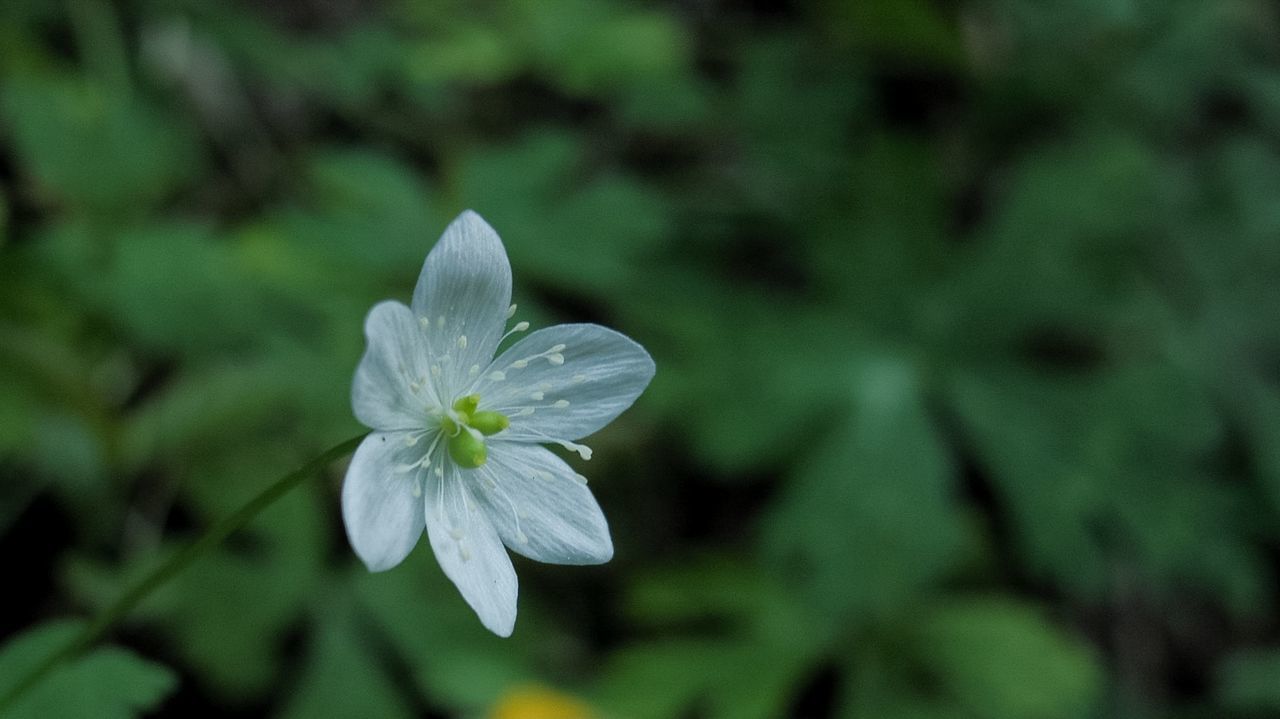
(966, 315)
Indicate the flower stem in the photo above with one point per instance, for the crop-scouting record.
(113, 613)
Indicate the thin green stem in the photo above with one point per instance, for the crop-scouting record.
(116, 611)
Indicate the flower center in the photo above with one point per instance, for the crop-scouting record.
(467, 426)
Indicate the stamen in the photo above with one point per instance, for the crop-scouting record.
(579, 378)
(462, 342)
(524, 412)
(583, 450)
(560, 403)
(536, 396)
(511, 311)
(556, 359)
(520, 364)
(497, 375)
(557, 348)
(521, 537)
(520, 327)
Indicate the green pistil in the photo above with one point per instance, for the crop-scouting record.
(489, 422)
(468, 427)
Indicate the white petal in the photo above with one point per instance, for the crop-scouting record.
(381, 503)
(541, 507)
(572, 390)
(383, 395)
(464, 291)
(470, 552)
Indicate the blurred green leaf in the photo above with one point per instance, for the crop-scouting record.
(1249, 680)
(762, 641)
(564, 223)
(363, 209)
(104, 683)
(882, 476)
(1101, 476)
(177, 287)
(453, 659)
(342, 677)
(994, 658)
(1002, 660)
(590, 46)
(93, 147)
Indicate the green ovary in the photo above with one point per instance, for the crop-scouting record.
(468, 427)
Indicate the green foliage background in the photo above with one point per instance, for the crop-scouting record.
(966, 315)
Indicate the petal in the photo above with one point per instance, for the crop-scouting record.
(382, 503)
(463, 293)
(386, 393)
(572, 390)
(541, 507)
(470, 552)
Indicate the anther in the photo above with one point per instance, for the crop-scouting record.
(475, 370)
(520, 364)
(497, 375)
(556, 359)
(462, 342)
(425, 322)
(561, 403)
(511, 311)
(536, 396)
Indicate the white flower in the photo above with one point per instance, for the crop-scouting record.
(456, 447)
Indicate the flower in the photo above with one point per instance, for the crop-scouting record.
(536, 702)
(456, 447)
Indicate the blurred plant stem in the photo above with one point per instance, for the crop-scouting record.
(108, 617)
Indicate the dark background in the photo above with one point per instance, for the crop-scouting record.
(966, 319)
